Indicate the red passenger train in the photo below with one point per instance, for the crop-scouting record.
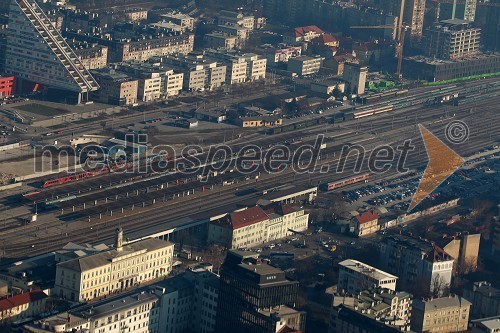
(344, 182)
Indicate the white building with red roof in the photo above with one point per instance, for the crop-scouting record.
(302, 34)
(257, 225)
(22, 306)
(366, 223)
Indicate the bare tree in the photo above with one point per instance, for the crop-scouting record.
(439, 286)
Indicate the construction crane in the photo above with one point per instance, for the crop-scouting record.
(400, 36)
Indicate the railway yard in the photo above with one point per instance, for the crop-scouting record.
(173, 193)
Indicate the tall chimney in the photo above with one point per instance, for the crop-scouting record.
(118, 239)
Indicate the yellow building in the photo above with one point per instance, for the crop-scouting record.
(366, 223)
(257, 225)
(106, 272)
(445, 314)
(25, 305)
(259, 121)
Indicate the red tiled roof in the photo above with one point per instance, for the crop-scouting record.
(24, 298)
(325, 39)
(301, 31)
(437, 254)
(247, 217)
(367, 216)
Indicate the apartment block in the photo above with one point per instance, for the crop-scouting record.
(154, 80)
(181, 19)
(237, 31)
(305, 65)
(124, 267)
(230, 18)
(445, 314)
(388, 307)
(199, 72)
(355, 276)
(269, 309)
(485, 299)
(241, 67)
(452, 39)
(136, 312)
(281, 54)
(116, 88)
(257, 225)
(420, 265)
(22, 306)
(37, 53)
(219, 40)
(92, 56)
(137, 43)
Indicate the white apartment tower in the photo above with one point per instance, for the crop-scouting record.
(37, 53)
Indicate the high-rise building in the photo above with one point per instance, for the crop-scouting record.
(37, 53)
(463, 9)
(421, 266)
(413, 14)
(470, 10)
(255, 297)
(452, 39)
(189, 300)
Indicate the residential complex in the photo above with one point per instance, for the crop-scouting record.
(446, 314)
(124, 267)
(92, 56)
(116, 88)
(304, 65)
(139, 44)
(383, 306)
(181, 19)
(419, 264)
(268, 310)
(355, 276)
(257, 225)
(240, 67)
(199, 72)
(37, 53)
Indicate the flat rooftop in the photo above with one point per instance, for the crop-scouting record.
(365, 269)
(120, 304)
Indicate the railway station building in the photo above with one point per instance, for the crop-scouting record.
(257, 225)
(107, 272)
